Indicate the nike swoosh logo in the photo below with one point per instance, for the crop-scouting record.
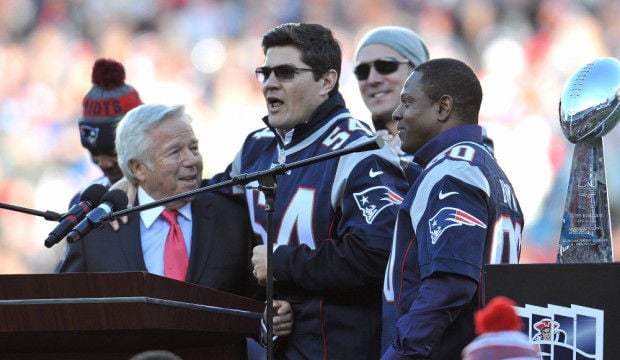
(373, 173)
(443, 195)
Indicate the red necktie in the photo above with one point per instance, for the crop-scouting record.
(175, 252)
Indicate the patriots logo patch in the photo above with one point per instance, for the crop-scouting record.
(90, 134)
(448, 217)
(373, 200)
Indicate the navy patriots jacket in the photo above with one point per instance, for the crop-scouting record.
(334, 222)
(460, 214)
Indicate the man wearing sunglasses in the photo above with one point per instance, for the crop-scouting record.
(385, 57)
(333, 220)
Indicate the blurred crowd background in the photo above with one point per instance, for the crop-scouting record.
(202, 53)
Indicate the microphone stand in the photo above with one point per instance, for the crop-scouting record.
(373, 144)
(48, 215)
(268, 185)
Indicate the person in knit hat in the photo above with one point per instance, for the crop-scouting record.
(384, 58)
(499, 334)
(103, 107)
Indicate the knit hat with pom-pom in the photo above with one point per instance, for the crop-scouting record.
(104, 106)
(499, 334)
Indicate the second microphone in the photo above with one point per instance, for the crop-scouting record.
(113, 200)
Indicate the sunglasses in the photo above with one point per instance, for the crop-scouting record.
(282, 72)
(383, 67)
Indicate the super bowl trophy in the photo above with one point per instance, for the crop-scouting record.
(589, 109)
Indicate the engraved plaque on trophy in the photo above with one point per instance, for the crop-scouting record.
(589, 109)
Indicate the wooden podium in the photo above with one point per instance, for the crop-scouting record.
(116, 315)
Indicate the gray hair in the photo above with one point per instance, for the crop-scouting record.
(132, 134)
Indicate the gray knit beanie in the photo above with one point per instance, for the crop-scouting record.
(404, 41)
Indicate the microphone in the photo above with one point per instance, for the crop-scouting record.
(113, 200)
(89, 199)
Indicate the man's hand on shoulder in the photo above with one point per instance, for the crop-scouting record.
(131, 190)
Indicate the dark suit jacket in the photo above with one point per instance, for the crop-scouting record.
(222, 244)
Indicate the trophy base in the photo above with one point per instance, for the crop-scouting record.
(585, 251)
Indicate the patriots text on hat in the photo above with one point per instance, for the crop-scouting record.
(111, 106)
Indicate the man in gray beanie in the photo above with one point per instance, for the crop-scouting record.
(384, 58)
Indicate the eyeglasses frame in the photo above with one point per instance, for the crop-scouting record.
(372, 64)
(260, 72)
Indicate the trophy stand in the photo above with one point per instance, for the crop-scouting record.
(586, 230)
(589, 109)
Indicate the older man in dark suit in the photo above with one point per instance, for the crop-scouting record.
(206, 240)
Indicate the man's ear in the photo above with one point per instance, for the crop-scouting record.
(138, 169)
(329, 80)
(445, 107)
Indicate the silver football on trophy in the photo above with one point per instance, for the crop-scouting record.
(590, 103)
